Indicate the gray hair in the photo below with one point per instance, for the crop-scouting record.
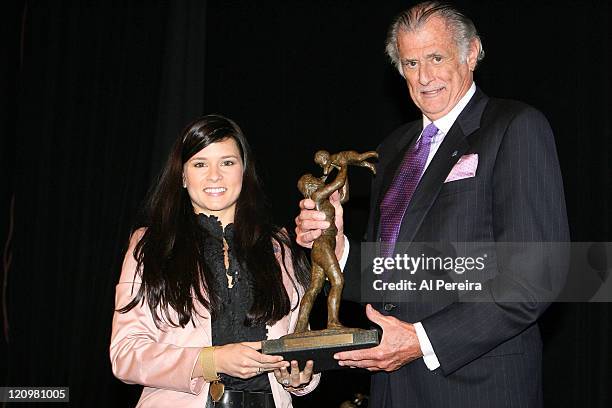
(461, 27)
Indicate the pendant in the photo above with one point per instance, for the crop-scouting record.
(216, 390)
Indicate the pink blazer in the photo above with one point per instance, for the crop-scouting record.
(163, 360)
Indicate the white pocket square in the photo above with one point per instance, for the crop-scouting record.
(464, 168)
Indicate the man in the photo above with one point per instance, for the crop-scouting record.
(473, 169)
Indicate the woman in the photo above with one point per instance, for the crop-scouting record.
(206, 281)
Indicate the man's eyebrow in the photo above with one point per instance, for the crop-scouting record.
(428, 56)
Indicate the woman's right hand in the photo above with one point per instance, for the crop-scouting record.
(242, 360)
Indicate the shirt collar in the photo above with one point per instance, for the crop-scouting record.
(446, 121)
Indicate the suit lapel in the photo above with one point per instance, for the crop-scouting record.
(454, 145)
(449, 152)
(395, 153)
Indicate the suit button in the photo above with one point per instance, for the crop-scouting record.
(389, 307)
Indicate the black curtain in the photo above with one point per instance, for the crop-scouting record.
(103, 90)
(95, 93)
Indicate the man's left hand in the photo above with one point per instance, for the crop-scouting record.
(399, 346)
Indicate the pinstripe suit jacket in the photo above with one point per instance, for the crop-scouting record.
(490, 352)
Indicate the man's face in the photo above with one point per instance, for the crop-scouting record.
(437, 77)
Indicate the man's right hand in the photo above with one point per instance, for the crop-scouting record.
(310, 223)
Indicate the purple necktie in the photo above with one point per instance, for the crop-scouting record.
(395, 202)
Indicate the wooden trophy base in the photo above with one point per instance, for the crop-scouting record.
(320, 346)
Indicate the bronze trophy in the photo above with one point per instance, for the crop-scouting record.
(321, 345)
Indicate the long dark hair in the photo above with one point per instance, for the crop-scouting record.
(173, 272)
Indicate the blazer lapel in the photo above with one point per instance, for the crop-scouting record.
(287, 324)
(452, 148)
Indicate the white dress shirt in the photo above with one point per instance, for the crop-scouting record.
(443, 124)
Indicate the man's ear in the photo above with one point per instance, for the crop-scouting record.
(472, 54)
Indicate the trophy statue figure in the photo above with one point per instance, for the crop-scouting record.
(324, 263)
(320, 346)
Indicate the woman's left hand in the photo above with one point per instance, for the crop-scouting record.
(295, 379)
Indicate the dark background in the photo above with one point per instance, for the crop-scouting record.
(94, 93)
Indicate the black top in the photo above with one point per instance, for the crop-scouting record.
(228, 322)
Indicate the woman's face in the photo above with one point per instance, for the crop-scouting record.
(213, 178)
